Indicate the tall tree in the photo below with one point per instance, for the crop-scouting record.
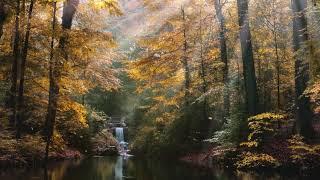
(20, 102)
(300, 37)
(223, 55)
(52, 107)
(56, 66)
(247, 58)
(185, 61)
(203, 72)
(14, 68)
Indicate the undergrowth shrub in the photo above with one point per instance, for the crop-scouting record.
(159, 138)
(262, 129)
(8, 145)
(143, 140)
(304, 155)
(32, 146)
(249, 160)
(104, 143)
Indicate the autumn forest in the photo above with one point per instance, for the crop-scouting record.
(109, 89)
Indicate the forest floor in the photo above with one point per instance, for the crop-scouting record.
(278, 156)
(29, 151)
(280, 151)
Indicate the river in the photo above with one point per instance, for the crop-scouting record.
(119, 168)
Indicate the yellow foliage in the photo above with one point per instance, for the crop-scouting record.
(214, 53)
(300, 148)
(314, 93)
(261, 127)
(267, 116)
(78, 111)
(58, 143)
(160, 72)
(302, 154)
(250, 160)
(110, 5)
(249, 144)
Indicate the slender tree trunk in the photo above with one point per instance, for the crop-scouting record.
(239, 84)
(22, 20)
(21, 105)
(224, 56)
(304, 113)
(260, 81)
(278, 65)
(53, 89)
(14, 68)
(277, 69)
(84, 95)
(247, 58)
(69, 10)
(203, 72)
(185, 60)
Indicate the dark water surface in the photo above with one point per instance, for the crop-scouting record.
(119, 168)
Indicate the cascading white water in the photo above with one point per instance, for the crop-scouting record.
(123, 145)
(118, 169)
(119, 135)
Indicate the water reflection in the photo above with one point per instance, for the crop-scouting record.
(118, 169)
(122, 168)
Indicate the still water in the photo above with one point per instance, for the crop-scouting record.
(120, 168)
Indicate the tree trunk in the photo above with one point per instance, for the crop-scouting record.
(247, 58)
(20, 106)
(304, 113)
(203, 73)
(14, 68)
(53, 89)
(278, 66)
(185, 60)
(3, 15)
(69, 10)
(224, 56)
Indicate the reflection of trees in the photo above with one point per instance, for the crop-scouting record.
(104, 169)
(93, 168)
(58, 170)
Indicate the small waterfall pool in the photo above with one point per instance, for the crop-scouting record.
(122, 168)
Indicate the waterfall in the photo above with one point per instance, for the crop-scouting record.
(119, 135)
(119, 165)
(122, 144)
